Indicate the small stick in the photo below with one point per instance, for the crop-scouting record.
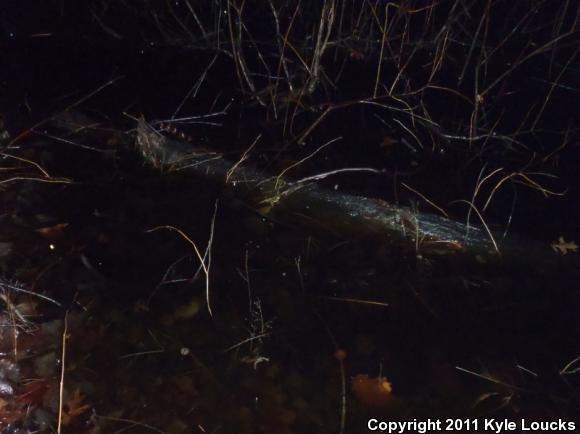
(25, 291)
(312, 154)
(243, 158)
(441, 210)
(483, 223)
(62, 368)
(132, 422)
(44, 121)
(205, 263)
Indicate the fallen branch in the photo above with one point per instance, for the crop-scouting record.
(308, 203)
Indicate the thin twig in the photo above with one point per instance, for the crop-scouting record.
(292, 166)
(482, 222)
(243, 158)
(132, 422)
(422, 196)
(62, 369)
(205, 260)
(25, 291)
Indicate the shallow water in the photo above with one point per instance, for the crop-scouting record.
(105, 321)
(303, 324)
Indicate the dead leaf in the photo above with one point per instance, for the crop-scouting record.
(73, 407)
(53, 232)
(564, 247)
(388, 141)
(9, 413)
(33, 393)
(373, 392)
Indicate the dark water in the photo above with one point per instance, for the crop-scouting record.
(300, 316)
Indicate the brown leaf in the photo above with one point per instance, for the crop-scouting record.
(388, 141)
(73, 407)
(373, 392)
(52, 232)
(564, 247)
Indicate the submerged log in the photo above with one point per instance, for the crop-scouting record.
(308, 203)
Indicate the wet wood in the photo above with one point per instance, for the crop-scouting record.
(309, 204)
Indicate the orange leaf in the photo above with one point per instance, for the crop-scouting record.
(53, 232)
(373, 392)
(73, 407)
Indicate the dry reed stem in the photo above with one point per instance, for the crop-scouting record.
(62, 370)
